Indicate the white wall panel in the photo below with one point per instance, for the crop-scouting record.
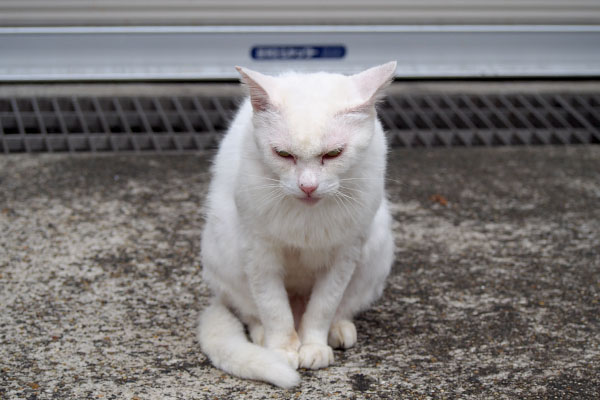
(204, 39)
(212, 52)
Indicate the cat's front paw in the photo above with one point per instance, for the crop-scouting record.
(315, 356)
(289, 356)
(287, 347)
(342, 334)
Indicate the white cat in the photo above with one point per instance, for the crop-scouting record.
(298, 233)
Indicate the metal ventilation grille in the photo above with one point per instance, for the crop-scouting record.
(176, 124)
(109, 124)
(492, 119)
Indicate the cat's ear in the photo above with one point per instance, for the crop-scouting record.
(370, 83)
(258, 86)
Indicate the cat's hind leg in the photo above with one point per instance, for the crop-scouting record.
(257, 332)
(342, 334)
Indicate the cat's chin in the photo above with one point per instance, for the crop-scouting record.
(309, 200)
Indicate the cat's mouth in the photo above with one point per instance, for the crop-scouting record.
(309, 200)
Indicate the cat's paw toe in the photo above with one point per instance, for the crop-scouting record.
(289, 356)
(315, 356)
(342, 334)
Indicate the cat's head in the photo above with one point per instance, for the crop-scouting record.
(310, 129)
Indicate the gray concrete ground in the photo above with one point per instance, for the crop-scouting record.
(494, 293)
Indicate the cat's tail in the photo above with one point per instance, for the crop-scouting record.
(224, 341)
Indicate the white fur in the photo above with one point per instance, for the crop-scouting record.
(295, 268)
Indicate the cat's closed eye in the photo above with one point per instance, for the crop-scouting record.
(284, 154)
(328, 155)
(333, 153)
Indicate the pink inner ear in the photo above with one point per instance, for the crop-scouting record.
(259, 100)
(371, 82)
(258, 94)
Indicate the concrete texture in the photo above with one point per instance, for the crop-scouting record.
(494, 294)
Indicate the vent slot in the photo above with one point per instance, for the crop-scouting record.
(192, 123)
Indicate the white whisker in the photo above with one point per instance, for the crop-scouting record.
(353, 189)
(351, 199)
(258, 187)
(271, 196)
(261, 177)
(343, 203)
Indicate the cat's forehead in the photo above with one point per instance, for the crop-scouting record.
(319, 91)
(311, 105)
(310, 131)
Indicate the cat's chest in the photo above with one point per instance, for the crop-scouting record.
(303, 266)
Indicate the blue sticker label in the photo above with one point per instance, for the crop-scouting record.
(297, 52)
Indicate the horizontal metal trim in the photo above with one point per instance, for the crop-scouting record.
(273, 12)
(210, 52)
(76, 30)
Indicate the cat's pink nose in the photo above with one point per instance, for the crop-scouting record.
(308, 189)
